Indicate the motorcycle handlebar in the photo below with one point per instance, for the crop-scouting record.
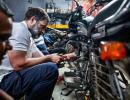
(76, 3)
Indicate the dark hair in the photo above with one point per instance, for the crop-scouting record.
(39, 13)
(4, 8)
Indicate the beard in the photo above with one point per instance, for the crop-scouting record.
(34, 31)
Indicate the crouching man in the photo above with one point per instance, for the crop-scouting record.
(28, 71)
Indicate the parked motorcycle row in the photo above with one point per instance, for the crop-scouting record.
(102, 44)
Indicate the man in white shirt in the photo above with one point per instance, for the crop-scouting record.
(27, 71)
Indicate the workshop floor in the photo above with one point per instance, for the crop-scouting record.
(57, 94)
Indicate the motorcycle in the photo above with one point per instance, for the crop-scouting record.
(78, 24)
(109, 53)
(107, 75)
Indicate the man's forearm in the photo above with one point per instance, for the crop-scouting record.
(31, 62)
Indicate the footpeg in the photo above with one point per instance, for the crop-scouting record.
(68, 74)
(74, 85)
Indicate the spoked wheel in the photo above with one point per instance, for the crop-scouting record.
(123, 77)
(109, 81)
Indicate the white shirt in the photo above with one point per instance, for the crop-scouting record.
(20, 40)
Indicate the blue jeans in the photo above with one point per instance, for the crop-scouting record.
(36, 82)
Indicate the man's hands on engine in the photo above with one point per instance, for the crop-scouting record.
(60, 58)
(54, 58)
(69, 57)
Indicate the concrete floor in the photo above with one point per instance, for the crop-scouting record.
(57, 94)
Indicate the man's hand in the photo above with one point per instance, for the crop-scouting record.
(69, 57)
(55, 58)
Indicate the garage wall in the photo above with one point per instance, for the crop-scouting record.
(19, 7)
(63, 4)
